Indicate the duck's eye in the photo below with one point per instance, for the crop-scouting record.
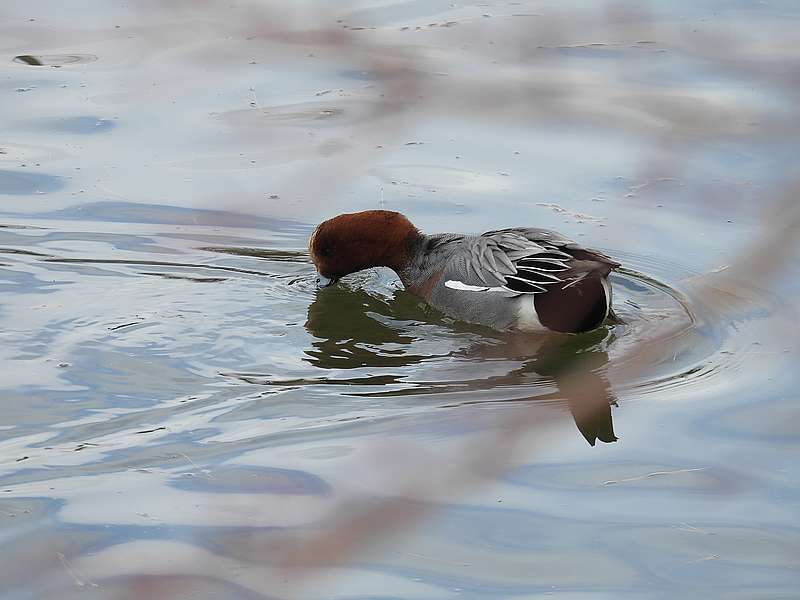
(327, 251)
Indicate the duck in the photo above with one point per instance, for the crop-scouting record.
(517, 279)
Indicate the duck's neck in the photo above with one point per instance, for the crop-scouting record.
(401, 251)
(422, 265)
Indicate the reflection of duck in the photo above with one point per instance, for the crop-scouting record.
(349, 337)
(575, 366)
(511, 279)
(354, 329)
(577, 371)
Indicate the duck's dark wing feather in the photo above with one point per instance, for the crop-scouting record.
(553, 239)
(528, 261)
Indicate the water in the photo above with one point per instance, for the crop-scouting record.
(179, 400)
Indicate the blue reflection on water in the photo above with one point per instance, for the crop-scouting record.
(26, 183)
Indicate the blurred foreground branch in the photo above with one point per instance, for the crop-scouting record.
(534, 88)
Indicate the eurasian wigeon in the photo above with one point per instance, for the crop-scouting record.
(521, 278)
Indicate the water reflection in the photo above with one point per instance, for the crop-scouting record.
(348, 336)
(577, 366)
(353, 328)
(27, 183)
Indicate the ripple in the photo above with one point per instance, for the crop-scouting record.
(702, 346)
(397, 331)
(374, 340)
(424, 356)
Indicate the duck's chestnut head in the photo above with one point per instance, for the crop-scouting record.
(356, 241)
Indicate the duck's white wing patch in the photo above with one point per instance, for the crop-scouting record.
(465, 287)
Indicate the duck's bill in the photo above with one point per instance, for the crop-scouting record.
(324, 282)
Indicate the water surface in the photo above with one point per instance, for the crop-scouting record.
(177, 394)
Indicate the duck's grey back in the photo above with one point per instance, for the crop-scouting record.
(492, 279)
